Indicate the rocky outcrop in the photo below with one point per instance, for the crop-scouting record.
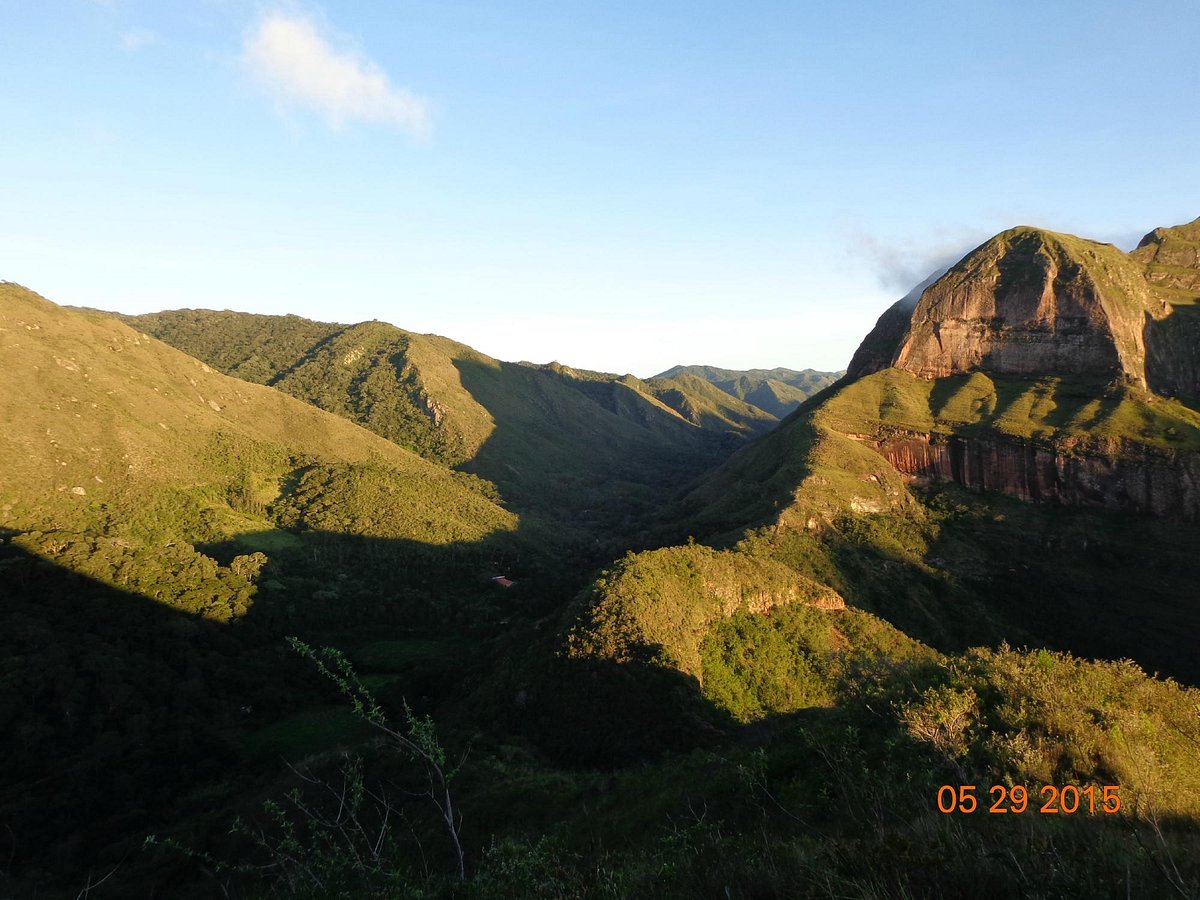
(1028, 303)
(878, 348)
(1129, 478)
(1172, 258)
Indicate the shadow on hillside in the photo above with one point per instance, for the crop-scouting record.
(593, 457)
(123, 715)
(1172, 365)
(749, 490)
(115, 710)
(1100, 585)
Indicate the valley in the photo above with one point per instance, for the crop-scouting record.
(749, 622)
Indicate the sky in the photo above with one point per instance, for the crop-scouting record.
(619, 186)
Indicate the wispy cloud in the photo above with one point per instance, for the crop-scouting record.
(900, 265)
(138, 38)
(288, 54)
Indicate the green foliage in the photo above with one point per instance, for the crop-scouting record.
(255, 515)
(415, 736)
(377, 501)
(1074, 414)
(796, 657)
(175, 575)
(659, 605)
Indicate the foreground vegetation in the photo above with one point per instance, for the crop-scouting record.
(783, 705)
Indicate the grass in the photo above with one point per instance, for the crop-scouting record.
(1054, 411)
(316, 729)
(128, 446)
(659, 605)
(397, 655)
(556, 441)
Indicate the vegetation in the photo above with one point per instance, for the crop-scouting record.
(531, 430)
(1072, 414)
(778, 710)
(658, 606)
(775, 391)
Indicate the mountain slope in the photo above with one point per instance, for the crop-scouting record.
(704, 404)
(776, 391)
(582, 448)
(113, 434)
(1021, 371)
(1031, 302)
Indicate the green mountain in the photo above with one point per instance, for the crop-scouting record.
(1005, 465)
(1023, 371)
(732, 657)
(776, 391)
(160, 525)
(110, 431)
(586, 449)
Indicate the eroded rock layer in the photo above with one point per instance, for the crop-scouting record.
(1129, 479)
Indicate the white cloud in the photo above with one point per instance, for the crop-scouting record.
(289, 56)
(900, 265)
(137, 39)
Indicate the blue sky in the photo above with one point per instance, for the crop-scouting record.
(620, 186)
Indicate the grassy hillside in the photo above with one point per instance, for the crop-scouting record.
(585, 449)
(782, 698)
(775, 711)
(116, 437)
(775, 391)
(706, 405)
(1055, 410)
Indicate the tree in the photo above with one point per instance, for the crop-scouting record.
(415, 736)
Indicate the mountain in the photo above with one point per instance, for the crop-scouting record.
(120, 446)
(1031, 302)
(1025, 371)
(161, 524)
(674, 648)
(1052, 365)
(586, 449)
(775, 391)
(995, 472)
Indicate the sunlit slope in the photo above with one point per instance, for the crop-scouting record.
(775, 391)
(113, 434)
(705, 405)
(564, 441)
(1032, 303)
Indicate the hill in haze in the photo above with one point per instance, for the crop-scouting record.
(776, 391)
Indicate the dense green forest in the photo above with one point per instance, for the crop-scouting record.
(305, 610)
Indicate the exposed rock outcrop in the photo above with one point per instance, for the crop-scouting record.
(1031, 302)
(1028, 303)
(1128, 478)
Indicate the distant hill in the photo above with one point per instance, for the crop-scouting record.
(580, 447)
(775, 391)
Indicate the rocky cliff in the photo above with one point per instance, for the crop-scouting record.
(1030, 302)
(1032, 307)
(1128, 478)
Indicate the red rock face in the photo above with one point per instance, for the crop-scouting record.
(1026, 304)
(1133, 479)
